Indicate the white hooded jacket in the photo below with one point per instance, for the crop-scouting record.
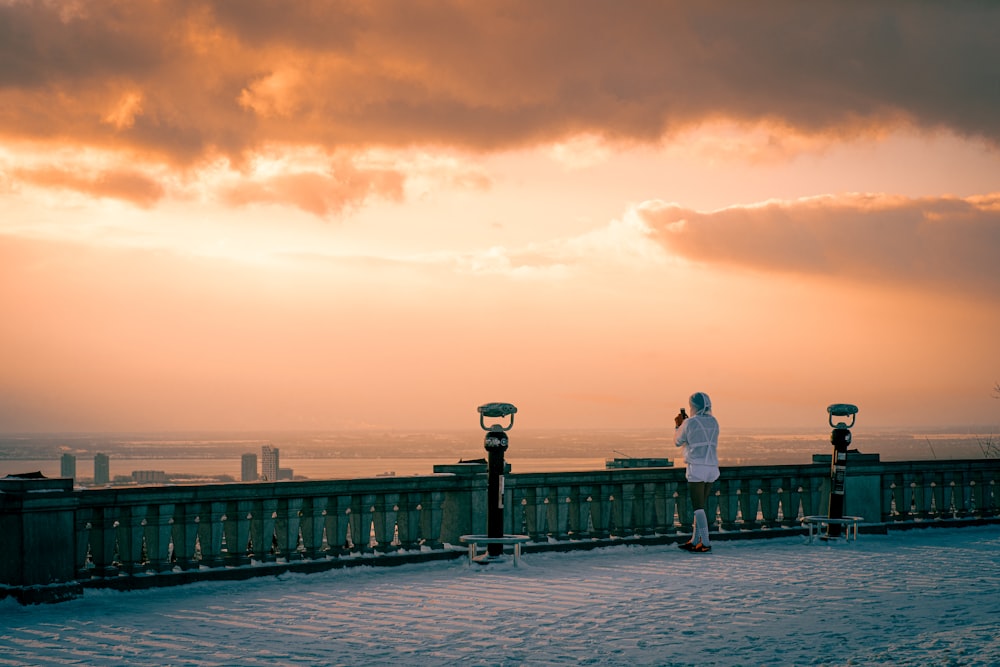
(699, 433)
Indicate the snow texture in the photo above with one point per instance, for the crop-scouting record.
(920, 597)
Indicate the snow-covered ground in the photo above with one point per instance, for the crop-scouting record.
(922, 597)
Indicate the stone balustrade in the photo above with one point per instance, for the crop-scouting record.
(56, 540)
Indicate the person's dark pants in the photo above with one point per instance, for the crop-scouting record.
(699, 494)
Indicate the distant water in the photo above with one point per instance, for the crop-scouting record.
(353, 454)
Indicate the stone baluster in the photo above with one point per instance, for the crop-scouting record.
(310, 510)
(646, 519)
(516, 517)
(940, 506)
(749, 503)
(685, 513)
(792, 502)
(663, 524)
(889, 501)
(266, 520)
(766, 509)
(106, 549)
(957, 504)
(987, 494)
(712, 508)
(432, 519)
(583, 505)
(974, 488)
(211, 522)
(670, 524)
(600, 511)
(263, 530)
(548, 512)
(788, 502)
(953, 491)
(288, 527)
(631, 509)
(386, 515)
(336, 520)
(179, 532)
(372, 524)
(728, 500)
(159, 535)
(534, 513)
(85, 534)
(120, 546)
(632, 506)
(942, 496)
(257, 545)
(192, 556)
(236, 529)
(815, 494)
(183, 532)
(924, 488)
(408, 521)
(358, 525)
(132, 529)
(769, 501)
(547, 515)
(616, 511)
(969, 507)
(565, 519)
(430, 512)
(907, 509)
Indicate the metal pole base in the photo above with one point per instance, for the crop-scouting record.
(487, 559)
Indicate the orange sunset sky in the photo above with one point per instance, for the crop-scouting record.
(322, 215)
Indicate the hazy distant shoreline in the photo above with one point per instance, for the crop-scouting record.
(368, 453)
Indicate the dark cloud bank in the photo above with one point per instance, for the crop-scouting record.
(227, 77)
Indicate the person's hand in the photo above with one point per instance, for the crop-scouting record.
(679, 419)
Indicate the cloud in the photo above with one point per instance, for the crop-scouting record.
(186, 81)
(948, 243)
(322, 193)
(620, 245)
(127, 185)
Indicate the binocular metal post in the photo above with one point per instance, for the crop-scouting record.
(496, 444)
(841, 440)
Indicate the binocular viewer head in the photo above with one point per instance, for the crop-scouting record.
(842, 410)
(496, 411)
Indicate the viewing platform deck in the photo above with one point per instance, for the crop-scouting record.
(909, 597)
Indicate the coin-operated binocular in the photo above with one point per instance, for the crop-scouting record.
(840, 437)
(496, 444)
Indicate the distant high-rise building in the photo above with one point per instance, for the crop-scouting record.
(249, 468)
(67, 466)
(102, 469)
(269, 463)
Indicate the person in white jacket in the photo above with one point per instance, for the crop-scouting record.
(699, 436)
